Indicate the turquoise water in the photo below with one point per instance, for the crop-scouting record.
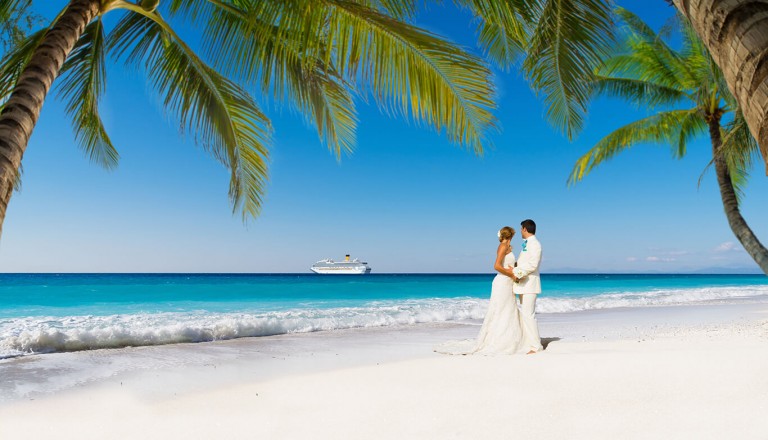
(42, 313)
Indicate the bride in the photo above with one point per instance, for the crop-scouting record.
(501, 332)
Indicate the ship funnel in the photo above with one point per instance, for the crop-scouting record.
(346, 258)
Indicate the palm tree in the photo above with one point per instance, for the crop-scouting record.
(316, 55)
(691, 91)
(736, 34)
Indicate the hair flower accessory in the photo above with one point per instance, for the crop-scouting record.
(498, 233)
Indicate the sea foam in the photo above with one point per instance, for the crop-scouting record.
(48, 334)
(656, 297)
(30, 335)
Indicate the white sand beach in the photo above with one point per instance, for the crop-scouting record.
(687, 372)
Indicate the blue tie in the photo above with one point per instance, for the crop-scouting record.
(525, 243)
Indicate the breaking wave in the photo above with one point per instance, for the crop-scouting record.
(31, 335)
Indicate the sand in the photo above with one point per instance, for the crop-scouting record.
(689, 372)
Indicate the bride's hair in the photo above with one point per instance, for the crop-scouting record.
(506, 233)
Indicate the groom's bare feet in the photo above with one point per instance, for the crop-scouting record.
(531, 352)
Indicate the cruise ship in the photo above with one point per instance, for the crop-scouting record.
(346, 267)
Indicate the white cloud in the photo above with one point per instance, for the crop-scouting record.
(654, 259)
(630, 259)
(728, 246)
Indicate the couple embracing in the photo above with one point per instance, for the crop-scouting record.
(506, 328)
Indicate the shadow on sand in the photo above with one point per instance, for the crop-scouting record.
(546, 341)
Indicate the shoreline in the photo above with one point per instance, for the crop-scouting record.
(618, 353)
(356, 346)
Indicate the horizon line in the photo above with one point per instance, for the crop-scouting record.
(732, 272)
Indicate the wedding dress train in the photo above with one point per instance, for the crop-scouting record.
(501, 332)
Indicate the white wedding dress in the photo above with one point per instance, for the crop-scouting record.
(501, 332)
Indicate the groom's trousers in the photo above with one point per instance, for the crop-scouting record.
(531, 339)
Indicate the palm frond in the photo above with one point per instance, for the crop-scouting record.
(693, 50)
(691, 126)
(661, 128)
(738, 142)
(407, 70)
(503, 28)
(331, 106)
(656, 62)
(571, 39)
(740, 150)
(223, 117)
(647, 56)
(638, 92)
(413, 72)
(670, 28)
(16, 20)
(315, 90)
(196, 11)
(82, 84)
(397, 9)
(635, 25)
(9, 7)
(739, 180)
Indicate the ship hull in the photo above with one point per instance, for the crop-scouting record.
(341, 270)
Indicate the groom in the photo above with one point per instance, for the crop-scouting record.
(528, 285)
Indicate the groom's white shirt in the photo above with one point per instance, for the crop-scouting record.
(528, 268)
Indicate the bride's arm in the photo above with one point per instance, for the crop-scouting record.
(501, 252)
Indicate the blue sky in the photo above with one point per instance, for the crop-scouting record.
(406, 201)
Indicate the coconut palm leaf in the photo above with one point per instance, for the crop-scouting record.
(268, 47)
(503, 28)
(569, 42)
(223, 117)
(413, 72)
(640, 33)
(398, 9)
(409, 71)
(661, 128)
(82, 84)
(691, 126)
(655, 62)
(316, 90)
(635, 25)
(739, 146)
(334, 112)
(15, 20)
(645, 55)
(9, 7)
(638, 92)
(740, 150)
(693, 50)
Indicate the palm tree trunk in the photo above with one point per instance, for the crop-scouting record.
(736, 34)
(21, 111)
(739, 226)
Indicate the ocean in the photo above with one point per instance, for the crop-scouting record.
(47, 313)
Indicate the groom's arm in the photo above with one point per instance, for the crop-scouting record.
(530, 263)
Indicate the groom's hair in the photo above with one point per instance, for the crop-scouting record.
(529, 226)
